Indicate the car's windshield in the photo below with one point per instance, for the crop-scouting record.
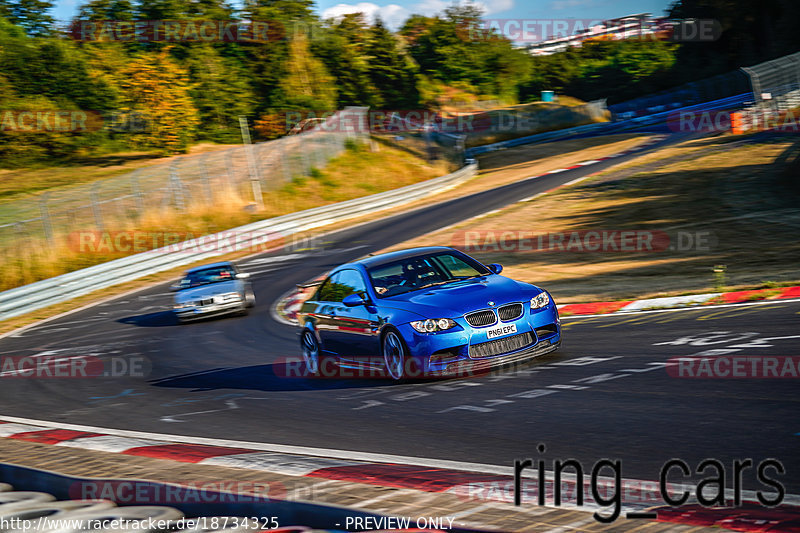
(421, 271)
(206, 276)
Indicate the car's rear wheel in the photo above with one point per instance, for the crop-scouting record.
(310, 352)
(394, 355)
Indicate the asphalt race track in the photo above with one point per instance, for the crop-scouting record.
(607, 394)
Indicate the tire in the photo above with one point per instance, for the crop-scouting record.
(249, 298)
(311, 351)
(395, 355)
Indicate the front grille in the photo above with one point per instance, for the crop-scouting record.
(498, 346)
(479, 319)
(207, 301)
(510, 312)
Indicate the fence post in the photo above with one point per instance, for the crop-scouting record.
(45, 212)
(285, 162)
(137, 192)
(206, 182)
(176, 186)
(255, 182)
(229, 169)
(98, 215)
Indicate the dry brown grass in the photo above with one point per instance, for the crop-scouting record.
(747, 198)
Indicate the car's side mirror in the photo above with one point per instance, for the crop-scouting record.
(242, 275)
(496, 268)
(353, 300)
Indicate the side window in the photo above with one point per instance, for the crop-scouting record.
(326, 290)
(351, 282)
(341, 284)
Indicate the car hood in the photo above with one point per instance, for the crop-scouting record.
(455, 299)
(207, 291)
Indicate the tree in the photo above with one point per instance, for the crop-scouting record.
(452, 49)
(221, 92)
(30, 14)
(752, 32)
(342, 47)
(307, 84)
(106, 10)
(392, 71)
(157, 88)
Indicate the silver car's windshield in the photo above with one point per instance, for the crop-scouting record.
(207, 276)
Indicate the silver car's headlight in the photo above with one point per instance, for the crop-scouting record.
(540, 300)
(183, 305)
(432, 325)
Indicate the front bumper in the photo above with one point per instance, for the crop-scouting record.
(453, 353)
(196, 313)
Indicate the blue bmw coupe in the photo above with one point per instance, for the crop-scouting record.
(424, 312)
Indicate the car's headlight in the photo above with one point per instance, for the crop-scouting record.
(432, 325)
(540, 300)
(182, 306)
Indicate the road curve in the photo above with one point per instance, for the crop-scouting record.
(606, 394)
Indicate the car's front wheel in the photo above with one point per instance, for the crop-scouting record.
(249, 299)
(394, 355)
(310, 352)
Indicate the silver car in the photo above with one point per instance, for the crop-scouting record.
(211, 290)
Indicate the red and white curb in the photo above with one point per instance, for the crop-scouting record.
(288, 306)
(672, 302)
(478, 483)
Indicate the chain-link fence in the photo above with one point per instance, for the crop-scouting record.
(697, 92)
(247, 172)
(776, 83)
(772, 86)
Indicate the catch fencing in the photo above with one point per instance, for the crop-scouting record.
(246, 171)
(697, 92)
(776, 83)
(771, 86)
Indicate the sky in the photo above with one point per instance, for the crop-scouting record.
(394, 12)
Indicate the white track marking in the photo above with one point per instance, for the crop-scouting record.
(108, 443)
(11, 429)
(384, 496)
(276, 462)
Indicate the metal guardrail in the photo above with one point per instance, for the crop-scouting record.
(21, 300)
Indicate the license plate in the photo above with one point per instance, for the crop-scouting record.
(501, 331)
